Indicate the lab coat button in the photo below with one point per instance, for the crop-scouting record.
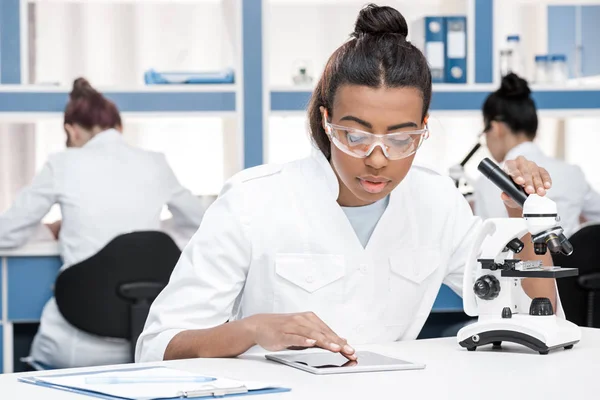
(310, 279)
(364, 268)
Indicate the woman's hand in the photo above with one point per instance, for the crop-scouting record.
(276, 332)
(529, 175)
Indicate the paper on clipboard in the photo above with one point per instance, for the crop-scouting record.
(166, 385)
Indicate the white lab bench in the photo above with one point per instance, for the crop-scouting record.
(451, 372)
(26, 280)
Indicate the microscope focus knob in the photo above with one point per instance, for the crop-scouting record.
(541, 306)
(487, 287)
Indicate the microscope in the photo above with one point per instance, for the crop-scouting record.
(492, 278)
(457, 173)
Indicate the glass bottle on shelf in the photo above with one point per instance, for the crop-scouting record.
(513, 43)
(558, 68)
(302, 74)
(542, 69)
(511, 58)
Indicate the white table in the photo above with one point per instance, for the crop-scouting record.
(451, 373)
(26, 277)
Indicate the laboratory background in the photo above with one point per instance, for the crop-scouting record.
(218, 86)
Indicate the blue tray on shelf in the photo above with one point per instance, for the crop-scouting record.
(152, 77)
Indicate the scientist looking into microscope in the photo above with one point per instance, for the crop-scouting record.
(348, 246)
(105, 188)
(511, 125)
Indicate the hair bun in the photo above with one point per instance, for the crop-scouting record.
(514, 87)
(82, 88)
(376, 20)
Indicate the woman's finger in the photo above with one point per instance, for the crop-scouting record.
(332, 336)
(538, 182)
(525, 172)
(291, 340)
(318, 322)
(313, 332)
(511, 167)
(546, 178)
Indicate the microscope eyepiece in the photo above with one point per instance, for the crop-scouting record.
(501, 179)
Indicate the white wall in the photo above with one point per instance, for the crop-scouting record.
(73, 39)
(583, 142)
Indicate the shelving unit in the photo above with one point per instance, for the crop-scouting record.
(20, 102)
(250, 99)
(156, 99)
(564, 100)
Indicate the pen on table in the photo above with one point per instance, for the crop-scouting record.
(109, 380)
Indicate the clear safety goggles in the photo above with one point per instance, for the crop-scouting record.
(360, 144)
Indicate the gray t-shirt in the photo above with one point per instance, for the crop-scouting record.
(364, 219)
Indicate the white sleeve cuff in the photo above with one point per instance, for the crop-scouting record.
(150, 350)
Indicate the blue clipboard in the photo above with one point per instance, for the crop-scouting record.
(34, 381)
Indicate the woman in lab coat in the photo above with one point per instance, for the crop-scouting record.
(348, 246)
(104, 188)
(511, 124)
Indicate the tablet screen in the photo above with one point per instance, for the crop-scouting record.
(335, 360)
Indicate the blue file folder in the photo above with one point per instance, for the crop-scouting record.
(456, 49)
(435, 47)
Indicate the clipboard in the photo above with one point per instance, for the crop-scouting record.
(207, 391)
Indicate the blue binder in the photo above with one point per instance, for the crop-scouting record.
(456, 50)
(435, 47)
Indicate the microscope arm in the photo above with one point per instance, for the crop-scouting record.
(504, 230)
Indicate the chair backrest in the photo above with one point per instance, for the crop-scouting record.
(89, 294)
(586, 257)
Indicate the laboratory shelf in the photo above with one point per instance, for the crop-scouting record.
(148, 99)
(463, 98)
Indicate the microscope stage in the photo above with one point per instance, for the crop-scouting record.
(546, 272)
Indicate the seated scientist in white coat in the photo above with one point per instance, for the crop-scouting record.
(349, 246)
(511, 125)
(104, 188)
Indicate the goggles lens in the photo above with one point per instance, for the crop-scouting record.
(361, 144)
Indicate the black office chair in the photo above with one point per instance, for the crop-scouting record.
(110, 293)
(578, 294)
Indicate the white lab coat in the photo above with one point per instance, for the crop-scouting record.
(571, 192)
(276, 241)
(104, 189)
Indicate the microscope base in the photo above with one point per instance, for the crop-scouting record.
(541, 334)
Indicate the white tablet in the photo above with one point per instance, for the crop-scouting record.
(322, 363)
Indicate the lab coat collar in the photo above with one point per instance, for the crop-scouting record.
(108, 135)
(522, 149)
(328, 175)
